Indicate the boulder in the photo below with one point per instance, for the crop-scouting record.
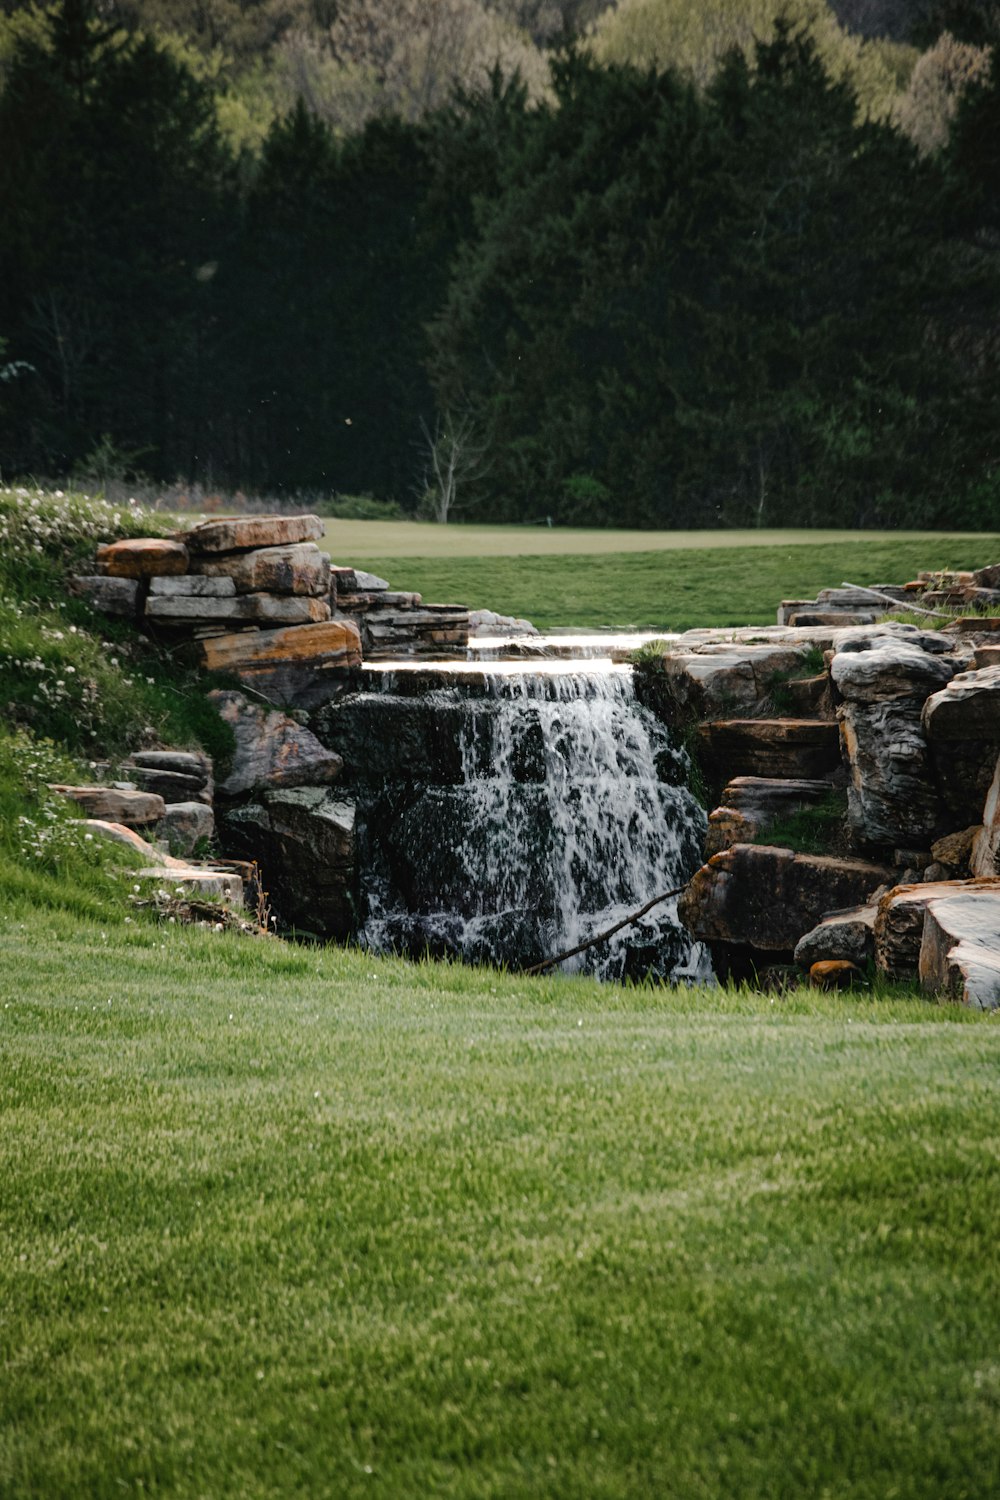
(189, 586)
(265, 609)
(299, 569)
(142, 557)
(297, 667)
(112, 596)
(245, 533)
(899, 924)
(185, 825)
(272, 750)
(954, 849)
(985, 857)
(486, 622)
(751, 804)
(775, 749)
(843, 937)
(767, 898)
(713, 679)
(962, 726)
(114, 805)
(884, 677)
(960, 949)
(988, 577)
(303, 839)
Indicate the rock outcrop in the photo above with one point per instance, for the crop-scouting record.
(962, 727)
(272, 750)
(303, 838)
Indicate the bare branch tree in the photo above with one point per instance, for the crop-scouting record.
(455, 456)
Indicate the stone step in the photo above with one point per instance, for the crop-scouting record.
(207, 884)
(771, 748)
(751, 804)
(114, 804)
(246, 533)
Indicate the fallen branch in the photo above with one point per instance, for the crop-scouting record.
(898, 604)
(602, 937)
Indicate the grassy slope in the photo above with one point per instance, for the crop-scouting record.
(674, 590)
(296, 1221)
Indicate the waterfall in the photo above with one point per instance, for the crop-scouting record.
(566, 809)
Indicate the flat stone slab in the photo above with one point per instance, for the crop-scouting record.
(118, 833)
(712, 679)
(208, 885)
(142, 557)
(297, 569)
(134, 809)
(183, 762)
(296, 667)
(190, 586)
(960, 949)
(271, 609)
(768, 898)
(772, 748)
(244, 533)
(899, 925)
(356, 580)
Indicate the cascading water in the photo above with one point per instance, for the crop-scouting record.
(563, 809)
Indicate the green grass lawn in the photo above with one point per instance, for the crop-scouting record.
(721, 583)
(295, 1221)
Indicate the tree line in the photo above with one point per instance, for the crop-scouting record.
(636, 301)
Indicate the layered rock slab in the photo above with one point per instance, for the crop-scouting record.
(245, 533)
(962, 726)
(773, 749)
(899, 925)
(298, 569)
(114, 804)
(142, 557)
(750, 805)
(298, 667)
(767, 898)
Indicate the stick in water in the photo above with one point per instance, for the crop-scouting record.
(601, 937)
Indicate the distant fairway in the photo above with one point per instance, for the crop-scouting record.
(652, 580)
(347, 540)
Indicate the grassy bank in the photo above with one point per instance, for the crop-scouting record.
(673, 589)
(288, 1221)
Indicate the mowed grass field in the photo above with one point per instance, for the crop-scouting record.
(290, 1221)
(640, 580)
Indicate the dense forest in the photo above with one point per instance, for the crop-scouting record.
(660, 263)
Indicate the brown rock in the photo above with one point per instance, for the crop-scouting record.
(244, 533)
(768, 898)
(960, 949)
(988, 577)
(142, 557)
(296, 667)
(967, 709)
(117, 833)
(900, 922)
(299, 569)
(272, 750)
(134, 809)
(954, 849)
(834, 974)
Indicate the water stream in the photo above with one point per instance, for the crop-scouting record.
(536, 805)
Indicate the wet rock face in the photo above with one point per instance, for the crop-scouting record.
(768, 898)
(303, 840)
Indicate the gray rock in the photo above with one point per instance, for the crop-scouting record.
(185, 825)
(899, 924)
(486, 622)
(299, 569)
(184, 762)
(356, 581)
(189, 585)
(967, 709)
(114, 805)
(986, 843)
(303, 841)
(266, 609)
(112, 596)
(272, 749)
(844, 936)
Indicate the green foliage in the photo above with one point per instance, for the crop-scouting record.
(359, 508)
(810, 830)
